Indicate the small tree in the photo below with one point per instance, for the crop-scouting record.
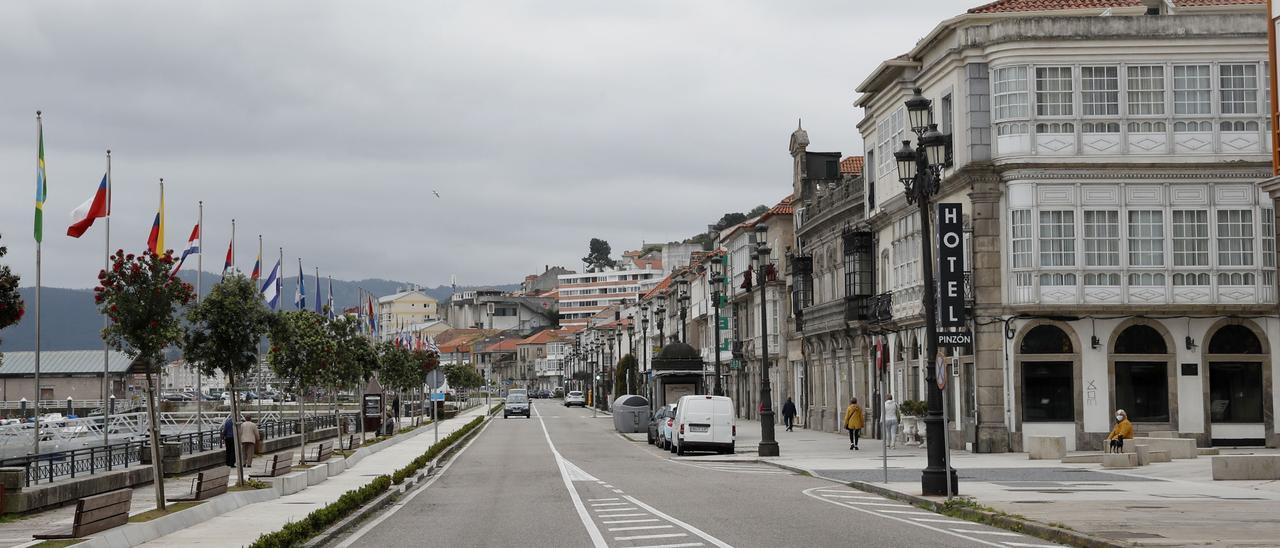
(597, 258)
(624, 376)
(354, 358)
(301, 352)
(400, 372)
(223, 336)
(141, 298)
(11, 307)
(463, 375)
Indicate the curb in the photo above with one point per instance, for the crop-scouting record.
(1002, 521)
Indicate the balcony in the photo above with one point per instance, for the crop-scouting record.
(879, 308)
(907, 302)
(1143, 288)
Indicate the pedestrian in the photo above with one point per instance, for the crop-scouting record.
(249, 439)
(853, 422)
(890, 421)
(229, 440)
(789, 413)
(1122, 431)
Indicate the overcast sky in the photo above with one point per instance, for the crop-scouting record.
(325, 126)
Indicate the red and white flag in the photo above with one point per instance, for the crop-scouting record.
(96, 207)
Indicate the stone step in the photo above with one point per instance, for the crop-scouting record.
(1119, 460)
(1162, 434)
(1083, 458)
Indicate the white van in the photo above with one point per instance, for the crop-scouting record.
(704, 423)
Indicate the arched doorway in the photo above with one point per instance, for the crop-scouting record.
(1143, 382)
(1047, 378)
(1236, 399)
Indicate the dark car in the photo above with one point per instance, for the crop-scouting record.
(658, 418)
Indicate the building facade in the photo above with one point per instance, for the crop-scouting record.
(584, 295)
(398, 311)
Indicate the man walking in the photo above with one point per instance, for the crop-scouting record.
(248, 439)
(853, 422)
(890, 421)
(789, 413)
(229, 440)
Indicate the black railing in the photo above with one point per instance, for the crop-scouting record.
(48, 467)
(880, 308)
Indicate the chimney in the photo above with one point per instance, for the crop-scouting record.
(1154, 7)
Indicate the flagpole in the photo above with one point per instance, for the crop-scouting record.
(106, 322)
(39, 230)
(258, 377)
(199, 277)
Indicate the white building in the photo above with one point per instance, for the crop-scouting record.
(584, 295)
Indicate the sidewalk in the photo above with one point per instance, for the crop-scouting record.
(1174, 503)
(242, 526)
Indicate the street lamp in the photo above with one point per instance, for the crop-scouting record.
(683, 298)
(631, 346)
(717, 281)
(768, 445)
(920, 171)
(644, 349)
(662, 318)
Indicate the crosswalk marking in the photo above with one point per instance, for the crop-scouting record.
(681, 545)
(612, 522)
(624, 515)
(604, 510)
(981, 532)
(641, 527)
(601, 500)
(601, 504)
(642, 537)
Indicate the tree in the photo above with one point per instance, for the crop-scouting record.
(11, 307)
(463, 375)
(301, 353)
(625, 375)
(140, 297)
(355, 358)
(223, 336)
(597, 258)
(757, 211)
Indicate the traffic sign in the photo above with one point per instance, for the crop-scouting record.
(941, 373)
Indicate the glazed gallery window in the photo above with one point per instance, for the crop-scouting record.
(1010, 93)
(1190, 237)
(1053, 91)
(1146, 238)
(1020, 237)
(1192, 88)
(1099, 91)
(1101, 238)
(1239, 88)
(1142, 390)
(1268, 237)
(1146, 90)
(1235, 237)
(1057, 238)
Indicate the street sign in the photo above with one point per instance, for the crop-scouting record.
(954, 339)
(950, 266)
(941, 373)
(438, 396)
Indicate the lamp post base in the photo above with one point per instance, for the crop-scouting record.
(933, 482)
(768, 444)
(769, 449)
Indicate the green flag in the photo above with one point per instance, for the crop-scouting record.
(40, 183)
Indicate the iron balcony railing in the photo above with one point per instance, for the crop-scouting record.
(880, 308)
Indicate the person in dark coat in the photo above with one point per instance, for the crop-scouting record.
(229, 440)
(789, 413)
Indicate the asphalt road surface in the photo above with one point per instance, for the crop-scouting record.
(565, 479)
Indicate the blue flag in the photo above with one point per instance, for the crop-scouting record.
(300, 293)
(319, 303)
(271, 288)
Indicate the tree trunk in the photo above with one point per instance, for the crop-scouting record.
(235, 428)
(153, 417)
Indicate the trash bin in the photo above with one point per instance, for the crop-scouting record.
(630, 413)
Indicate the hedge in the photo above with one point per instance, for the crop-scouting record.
(297, 533)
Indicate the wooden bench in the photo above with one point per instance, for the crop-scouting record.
(351, 442)
(278, 465)
(95, 514)
(323, 452)
(209, 483)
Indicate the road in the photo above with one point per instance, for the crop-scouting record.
(565, 479)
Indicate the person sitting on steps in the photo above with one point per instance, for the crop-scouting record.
(1122, 431)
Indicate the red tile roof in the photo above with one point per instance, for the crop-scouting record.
(542, 337)
(783, 208)
(1007, 6)
(852, 165)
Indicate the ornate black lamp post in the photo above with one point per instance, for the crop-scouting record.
(662, 318)
(717, 283)
(920, 171)
(768, 445)
(644, 350)
(631, 347)
(683, 298)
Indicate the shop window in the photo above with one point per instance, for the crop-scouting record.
(1047, 392)
(1235, 339)
(1045, 339)
(1142, 390)
(1235, 392)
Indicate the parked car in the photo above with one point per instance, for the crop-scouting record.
(703, 423)
(575, 397)
(517, 404)
(659, 420)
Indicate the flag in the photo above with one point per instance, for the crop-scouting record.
(231, 258)
(271, 289)
(257, 268)
(300, 292)
(94, 208)
(373, 320)
(319, 304)
(431, 345)
(332, 314)
(155, 242)
(41, 186)
(193, 247)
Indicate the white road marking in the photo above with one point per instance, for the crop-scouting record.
(980, 532)
(629, 521)
(642, 537)
(597, 538)
(611, 510)
(853, 497)
(681, 545)
(1007, 543)
(641, 527)
(617, 490)
(951, 521)
(885, 504)
(811, 493)
(594, 504)
(601, 500)
(910, 512)
(623, 516)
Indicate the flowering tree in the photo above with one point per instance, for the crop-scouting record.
(223, 336)
(141, 297)
(301, 353)
(11, 307)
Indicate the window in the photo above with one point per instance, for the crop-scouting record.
(1142, 390)
(1191, 89)
(1190, 238)
(1146, 238)
(1099, 91)
(1053, 91)
(1235, 237)
(1146, 90)
(1047, 392)
(1010, 93)
(1020, 238)
(1102, 238)
(1057, 238)
(869, 175)
(1268, 238)
(1239, 89)
(1235, 392)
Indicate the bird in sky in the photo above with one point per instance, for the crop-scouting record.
(437, 193)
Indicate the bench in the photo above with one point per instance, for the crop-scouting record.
(1178, 448)
(95, 514)
(351, 442)
(1246, 467)
(323, 452)
(278, 465)
(1046, 447)
(209, 483)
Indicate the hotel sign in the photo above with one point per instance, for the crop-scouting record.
(950, 266)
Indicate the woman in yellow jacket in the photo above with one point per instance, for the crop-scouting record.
(853, 422)
(1122, 431)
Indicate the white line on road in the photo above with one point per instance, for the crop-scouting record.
(980, 532)
(951, 521)
(885, 504)
(1020, 544)
(810, 492)
(853, 497)
(595, 504)
(641, 527)
(624, 515)
(616, 521)
(642, 537)
(909, 512)
(681, 545)
(601, 500)
(597, 538)
(611, 510)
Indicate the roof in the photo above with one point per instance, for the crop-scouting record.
(542, 337)
(852, 165)
(65, 362)
(660, 288)
(403, 294)
(783, 208)
(1008, 6)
